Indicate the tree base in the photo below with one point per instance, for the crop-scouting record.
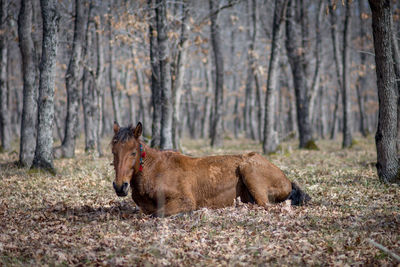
(311, 145)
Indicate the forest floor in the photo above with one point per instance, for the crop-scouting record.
(75, 217)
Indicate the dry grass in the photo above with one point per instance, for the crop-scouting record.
(75, 217)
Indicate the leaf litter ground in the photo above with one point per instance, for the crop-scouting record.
(75, 218)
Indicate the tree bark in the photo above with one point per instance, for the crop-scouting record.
(296, 59)
(315, 85)
(155, 79)
(139, 80)
(111, 74)
(44, 146)
(165, 75)
(270, 140)
(217, 134)
(338, 67)
(72, 79)
(177, 82)
(386, 135)
(361, 80)
(346, 97)
(250, 127)
(5, 119)
(29, 109)
(89, 94)
(207, 100)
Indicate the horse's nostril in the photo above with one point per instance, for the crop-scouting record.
(124, 187)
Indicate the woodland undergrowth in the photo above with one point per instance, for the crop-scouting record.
(74, 217)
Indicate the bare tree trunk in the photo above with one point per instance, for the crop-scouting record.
(338, 67)
(165, 75)
(29, 109)
(361, 80)
(270, 140)
(318, 62)
(260, 107)
(296, 60)
(89, 95)
(217, 134)
(111, 74)
(139, 80)
(207, 100)
(155, 79)
(386, 135)
(5, 122)
(396, 58)
(177, 82)
(98, 88)
(249, 97)
(72, 83)
(44, 146)
(346, 98)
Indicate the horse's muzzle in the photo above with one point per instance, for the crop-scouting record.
(121, 191)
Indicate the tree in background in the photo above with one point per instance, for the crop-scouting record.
(5, 123)
(44, 146)
(155, 78)
(347, 119)
(270, 140)
(216, 131)
(178, 77)
(295, 46)
(29, 110)
(72, 79)
(165, 75)
(386, 134)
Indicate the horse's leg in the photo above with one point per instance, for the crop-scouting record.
(265, 182)
(252, 181)
(175, 206)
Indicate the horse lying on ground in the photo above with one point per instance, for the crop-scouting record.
(165, 183)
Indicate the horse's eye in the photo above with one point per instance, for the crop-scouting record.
(133, 153)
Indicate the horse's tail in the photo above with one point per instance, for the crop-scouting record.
(298, 196)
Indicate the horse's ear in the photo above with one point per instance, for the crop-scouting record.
(138, 130)
(116, 127)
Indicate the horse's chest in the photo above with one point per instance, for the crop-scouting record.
(144, 194)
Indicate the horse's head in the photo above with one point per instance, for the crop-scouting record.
(126, 151)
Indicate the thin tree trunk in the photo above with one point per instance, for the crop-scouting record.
(207, 100)
(249, 97)
(139, 80)
(44, 146)
(155, 79)
(165, 75)
(346, 97)
(177, 82)
(72, 83)
(217, 134)
(338, 67)
(89, 95)
(386, 135)
(361, 80)
(270, 140)
(111, 74)
(99, 89)
(5, 120)
(260, 106)
(318, 62)
(29, 109)
(296, 59)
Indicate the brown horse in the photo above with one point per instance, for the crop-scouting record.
(166, 182)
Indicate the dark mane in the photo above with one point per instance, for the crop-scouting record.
(124, 134)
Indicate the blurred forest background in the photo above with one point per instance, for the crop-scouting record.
(267, 70)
